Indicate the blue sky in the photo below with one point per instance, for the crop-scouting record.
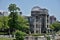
(26, 5)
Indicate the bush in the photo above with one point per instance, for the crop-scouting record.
(20, 35)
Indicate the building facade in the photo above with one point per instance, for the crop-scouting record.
(3, 13)
(52, 19)
(39, 20)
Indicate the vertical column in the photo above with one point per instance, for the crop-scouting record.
(48, 18)
(40, 26)
(46, 22)
(34, 25)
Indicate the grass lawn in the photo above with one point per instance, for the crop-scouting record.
(6, 39)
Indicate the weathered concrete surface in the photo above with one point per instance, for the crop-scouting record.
(41, 37)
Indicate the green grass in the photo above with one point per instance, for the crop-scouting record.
(3, 33)
(36, 34)
(6, 39)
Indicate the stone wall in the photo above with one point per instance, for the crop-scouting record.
(35, 38)
(41, 37)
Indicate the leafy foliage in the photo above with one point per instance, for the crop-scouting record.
(23, 24)
(12, 22)
(13, 17)
(13, 7)
(4, 22)
(20, 35)
(55, 26)
(16, 22)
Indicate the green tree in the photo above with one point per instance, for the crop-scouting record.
(16, 22)
(1, 21)
(13, 17)
(4, 22)
(13, 8)
(23, 24)
(55, 26)
(20, 35)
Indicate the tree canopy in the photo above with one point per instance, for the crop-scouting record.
(4, 22)
(13, 17)
(13, 7)
(23, 24)
(17, 22)
(55, 26)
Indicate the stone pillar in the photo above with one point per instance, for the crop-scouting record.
(46, 22)
(40, 26)
(35, 26)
